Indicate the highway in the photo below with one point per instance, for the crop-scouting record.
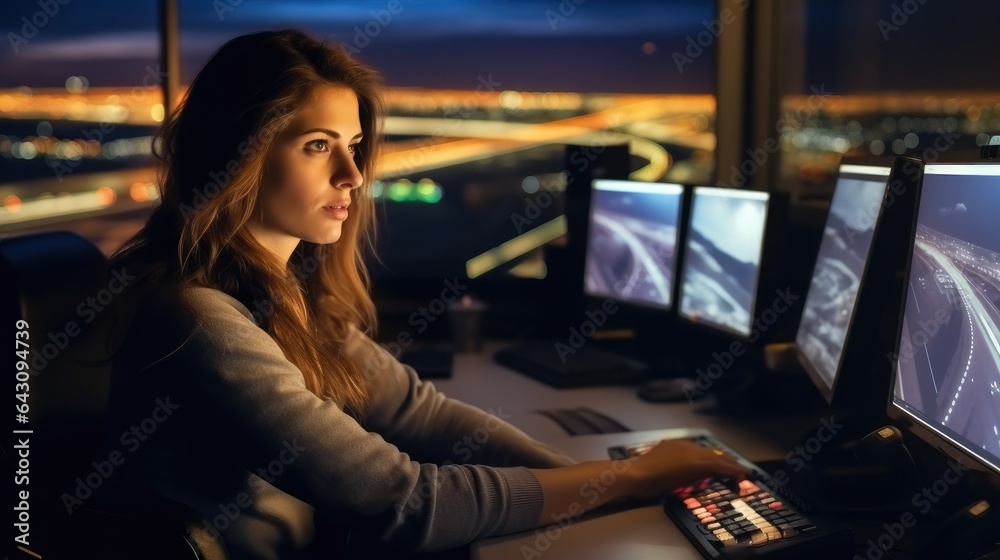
(711, 294)
(632, 258)
(960, 365)
(445, 132)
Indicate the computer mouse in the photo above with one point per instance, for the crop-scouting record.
(677, 389)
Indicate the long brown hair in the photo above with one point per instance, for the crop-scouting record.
(212, 152)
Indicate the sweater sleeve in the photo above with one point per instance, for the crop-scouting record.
(248, 397)
(411, 413)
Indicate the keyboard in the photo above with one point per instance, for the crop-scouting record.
(585, 366)
(753, 518)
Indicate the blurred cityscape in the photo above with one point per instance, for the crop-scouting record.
(477, 141)
(67, 153)
(86, 152)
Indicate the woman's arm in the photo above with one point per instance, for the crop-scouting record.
(232, 383)
(570, 491)
(412, 414)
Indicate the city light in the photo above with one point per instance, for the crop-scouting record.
(404, 190)
(520, 245)
(436, 129)
(105, 196)
(12, 203)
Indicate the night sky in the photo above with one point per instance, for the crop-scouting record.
(851, 46)
(596, 47)
(860, 46)
(962, 207)
(734, 224)
(658, 207)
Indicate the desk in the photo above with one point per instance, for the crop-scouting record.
(634, 533)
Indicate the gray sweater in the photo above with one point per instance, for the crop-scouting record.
(209, 412)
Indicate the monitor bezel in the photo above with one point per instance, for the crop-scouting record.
(644, 305)
(767, 237)
(897, 413)
(812, 371)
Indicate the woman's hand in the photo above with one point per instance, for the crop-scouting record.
(676, 462)
(572, 490)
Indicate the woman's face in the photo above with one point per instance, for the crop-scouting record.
(311, 171)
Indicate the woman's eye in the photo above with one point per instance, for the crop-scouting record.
(317, 145)
(354, 149)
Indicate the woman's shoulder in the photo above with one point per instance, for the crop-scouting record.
(212, 301)
(154, 290)
(184, 309)
(200, 326)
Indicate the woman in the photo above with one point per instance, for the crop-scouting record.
(246, 385)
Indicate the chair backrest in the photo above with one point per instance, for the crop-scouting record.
(59, 284)
(52, 282)
(55, 282)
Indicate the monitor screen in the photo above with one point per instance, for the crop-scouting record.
(632, 241)
(840, 266)
(722, 257)
(948, 364)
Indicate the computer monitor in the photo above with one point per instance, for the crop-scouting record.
(722, 255)
(837, 276)
(632, 242)
(947, 361)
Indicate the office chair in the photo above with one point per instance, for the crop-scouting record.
(55, 282)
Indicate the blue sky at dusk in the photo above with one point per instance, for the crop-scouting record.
(591, 47)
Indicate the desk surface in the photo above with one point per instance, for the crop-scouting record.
(633, 533)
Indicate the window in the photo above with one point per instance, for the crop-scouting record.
(889, 77)
(483, 99)
(79, 101)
